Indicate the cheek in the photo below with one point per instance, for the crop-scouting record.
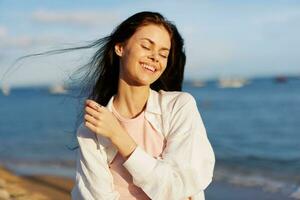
(164, 64)
(129, 63)
(132, 56)
(127, 60)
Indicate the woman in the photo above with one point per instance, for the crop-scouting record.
(142, 138)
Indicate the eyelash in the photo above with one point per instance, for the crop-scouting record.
(145, 47)
(149, 49)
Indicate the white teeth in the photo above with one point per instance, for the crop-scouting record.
(148, 67)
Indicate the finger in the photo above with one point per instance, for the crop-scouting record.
(91, 127)
(93, 104)
(90, 119)
(96, 107)
(92, 112)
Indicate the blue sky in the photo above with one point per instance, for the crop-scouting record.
(222, 38)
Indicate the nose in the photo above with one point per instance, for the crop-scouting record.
(153, 56)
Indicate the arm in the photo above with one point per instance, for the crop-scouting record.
(186, 166)
(93, 178)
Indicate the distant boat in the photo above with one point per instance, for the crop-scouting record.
(280, 79)
(5, 90)
(232, 83)
(198, 83)
(58, 89)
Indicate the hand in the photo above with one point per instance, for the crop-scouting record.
(100, 120)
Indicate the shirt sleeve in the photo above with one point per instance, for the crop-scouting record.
(93, 177)
(186, 166)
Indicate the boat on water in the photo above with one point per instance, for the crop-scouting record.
(5, 90)
(57, 90)
(198, 83)
(281, 79)
(232, 82)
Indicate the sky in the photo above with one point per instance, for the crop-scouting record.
(228, 38)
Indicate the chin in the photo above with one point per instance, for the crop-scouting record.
(145, 83)
(143, 80)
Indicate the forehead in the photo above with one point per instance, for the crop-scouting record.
(156, 33)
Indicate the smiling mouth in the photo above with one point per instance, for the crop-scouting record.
(148, 67)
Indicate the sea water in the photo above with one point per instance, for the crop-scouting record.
(254, 131)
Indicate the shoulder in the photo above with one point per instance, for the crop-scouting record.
(84, 132)
(176, 99)
(86, 135)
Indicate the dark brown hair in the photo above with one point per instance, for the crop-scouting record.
(103, 73)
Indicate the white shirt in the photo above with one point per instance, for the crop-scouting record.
(184, 169)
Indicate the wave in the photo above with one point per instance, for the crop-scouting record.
(285, 183)
(288, 165)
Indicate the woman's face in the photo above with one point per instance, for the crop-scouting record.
(143, 58)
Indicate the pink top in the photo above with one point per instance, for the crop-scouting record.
(147, 138)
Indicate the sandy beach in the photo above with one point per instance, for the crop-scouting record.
(45, 187)
(13, 187)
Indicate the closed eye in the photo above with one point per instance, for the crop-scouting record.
(147, 48)
(163, 56)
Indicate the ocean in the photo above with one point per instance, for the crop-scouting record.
(254, 131)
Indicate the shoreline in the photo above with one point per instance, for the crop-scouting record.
(52, 187)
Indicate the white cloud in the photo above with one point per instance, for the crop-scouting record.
(9, 41)
(3, 31)
(19, 42)
(30, 41)
(81, 18)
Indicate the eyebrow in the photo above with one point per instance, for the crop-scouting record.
(152, 42)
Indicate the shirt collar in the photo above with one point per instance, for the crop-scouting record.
(151, 106)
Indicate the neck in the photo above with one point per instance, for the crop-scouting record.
(130, 100)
